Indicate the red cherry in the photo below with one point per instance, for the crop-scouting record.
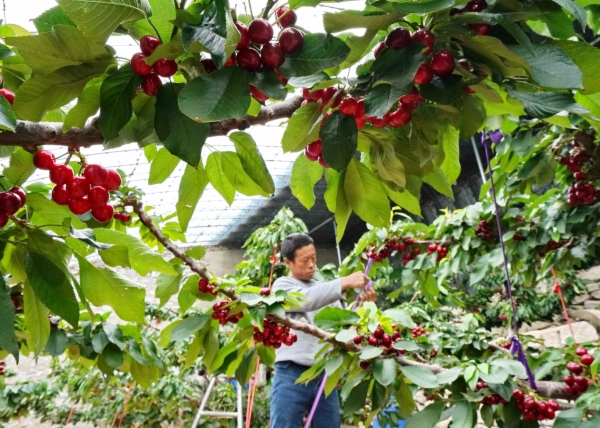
(44, 160)
(60, 174)
(151, 84)
(360, 121)
(579, 176)
(291, 40)
(282, 78)
(581, 351)
(165, 67)
(80, 206)
(271, 56)
(481, 29)
(3, 221)
(258, 337)
(265, 291)
(529, 403)
(244, 38)
(60, 195)
(378, 332)
(426, 37)
(569, 380)
(139, 66)
(348, 106)
(312, 96)
(259, 96)
(553, 405)
(103, 213)
(98, 196)
(9, 203)
(113, 180)
(364, 364)
(424, 74)
(378, 49)
(231, 61)
(400, 117)
(328, 94)
(357, 340)
(310, 157)
(315, 148)
(95, 174)
(20, 193)
(8, 94)
(249, 58)
(587, 360)
(518, 394)
(209, 65)
(386, 339)
(286, 17)
(574, 367)
(398, 38)
(125, 217)
(322, 162)
(569, 390)
(260, 31)
(148, 44)
(442, 63)
(373, 341)
(380, 123)
(78, 187)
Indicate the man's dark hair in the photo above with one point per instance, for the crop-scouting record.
(294, 242)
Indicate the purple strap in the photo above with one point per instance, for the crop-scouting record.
(486, 139)
(324, 381)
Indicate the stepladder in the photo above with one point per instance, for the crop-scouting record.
(213, 414)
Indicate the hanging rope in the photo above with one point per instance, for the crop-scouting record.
(125, 405)
(70, 414)
(557, 286)
(516, 348)
(324, 381)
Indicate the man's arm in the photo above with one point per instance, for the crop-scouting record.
(323, 294)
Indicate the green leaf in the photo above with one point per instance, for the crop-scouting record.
(356, 399)
(342, 207)
(40, 94)
(515, 368)
(369, 352)
(449, 376)
(366, 195)
(235, 174)
(450, 145)
(576, 10)
(423, 7)
(142, 259)
(88, 103)
(103, 286)
(163, 12)
(586, 58)
(223, 353)
(497, 375)
(302, 128)
(334, 22)
(188, 327)
(331, 317)
(88, 237)
(171, 50)
(463, 415)
(551, 66)
(113, 356)
(57, 342)
(52, 287)
(383, 157)
(50, 18)
(224, 94)
(114, 335)
(63, 46)
(182, 136)
(420, 376)
(546, 104)
(115, 101)
(269, 84)
(569, 418)
(401, 317)
(405, 200)
(49, 212)
(20, 167)
(406, 345)
(339, 138)
(166, 286)
(216, 176)
(252, 161)
(99, 18)
(318, 52)
(191, 187)
(305, 174)
(443, 90)
(428, 417)
(8, 119)
(380, 99)
(398, 67)
(163, 165)
(36, 320)
(385, 371)
(7, 320)
(472, 115)
(141, 374)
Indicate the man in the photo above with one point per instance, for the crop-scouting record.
(290, 403)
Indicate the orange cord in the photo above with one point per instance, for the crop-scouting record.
(125, 405)
(557, 285)
(115, 418)
(70, 414)
(252, 394)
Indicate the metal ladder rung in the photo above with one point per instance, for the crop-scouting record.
(229, 415)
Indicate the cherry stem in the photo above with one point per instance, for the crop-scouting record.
(68, 158)
(250, 7)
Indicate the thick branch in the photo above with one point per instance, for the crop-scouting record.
(29, 135)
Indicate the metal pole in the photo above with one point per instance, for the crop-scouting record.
(240, 418)
(479, 164)
(204, 401)
(320, 225)
(337, 245)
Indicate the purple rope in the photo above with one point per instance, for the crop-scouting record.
(324, 381)
(486, 139)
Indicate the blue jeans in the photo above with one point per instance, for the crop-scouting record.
(291, 403)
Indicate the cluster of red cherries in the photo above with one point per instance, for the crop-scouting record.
(163, 67)
(10, 202)
(474, 6)
(274, 335)
(221, 313)
(394, 244)
(418, 332)
(81, 194)
(533, 409)
(2, 364)
(440, 250)
(583, 192)
(576, 383)
(314, 152)
(255, 50)
(206, 288)
(491, 399)
(484, 230)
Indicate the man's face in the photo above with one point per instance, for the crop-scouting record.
(304, 264)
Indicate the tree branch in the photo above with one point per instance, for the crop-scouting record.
(30, 135)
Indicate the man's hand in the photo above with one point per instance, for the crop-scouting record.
(368, 295)
(356, 280)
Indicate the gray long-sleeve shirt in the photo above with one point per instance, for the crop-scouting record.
(318, 296)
